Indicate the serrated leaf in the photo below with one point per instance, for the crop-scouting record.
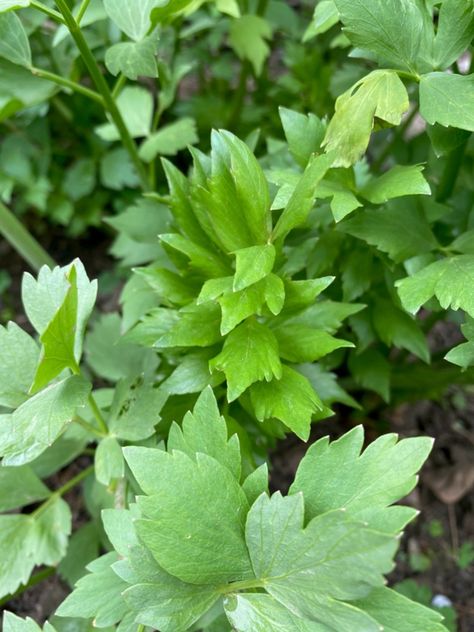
(176, 524)
(134, 20)
(201, 259)
(14, 44)
(306, 344)
(338, 475)
(291, 399)
(382, 95)
(256, 483)
(192, 375)
(448, 99)
(169, 139)
(205, 431)
(301, 294)
(304, 133)
(12, 623)
(133, 59)
(450, 280)
(37, 423)
(20, 486)
(117, 171)
(83, 547)
(136, 107)
(253, 264)
(325, 16)
(372, 371)
(302, 199)
(250, 354)
(247, 36)
(395, 327)
(197, 326)
(18, 359)
(237, 306)
(52, 530)
(397, 182)
(455, 31)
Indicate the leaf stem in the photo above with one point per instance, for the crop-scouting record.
(51, 13)
(67, 83)
(82, 9)
(450, 174)
(103, 87)
(22, 241)
(37, 578)
(89, 427)
(98, 415)
(239, 97)
(243, 585)
(62, 490)
(119, 84)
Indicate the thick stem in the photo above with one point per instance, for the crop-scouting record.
(51, 13)
(103, 88)
(62, 490)
(67, 83)
(243, 585)
(450, 173)
(24, 243)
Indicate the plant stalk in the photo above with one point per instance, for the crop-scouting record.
(450, 173)
(21, 240)
(82, 9)
(67, 83)
(98, 415)
(51, 13)
(104, 90)
(62, 490)
(89, 427)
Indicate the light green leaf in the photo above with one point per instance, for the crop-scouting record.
(301, 294)
(97, 595)
(291, 399)
(177, 524)
(304, 133)
(14, 44)
(108, 461)
(37, 423)
(52, 530)
(83, 547)
(382, 95)
(18, 359)
(12, 623)
(247, 36)
(136, 107)
(237, 306)
(253, 264)
(17, 542)
(455, 31)
(117, 170)
(463, 355)
(80, 179)
(143, 221)
(134, 20)
(19, 486)
(338, 475)
(205, 431)
(205, 261)
(343, 201)
(450, 280)
(250, 354)
(448, 99)
(169, 139)
(8, 5)
(302, 199)
(325, 16)
(397, 182)
(306, 344)
(398, 32)
(256, 483)
(402, 231)
(192, 375)
(198, 326)
(133, 59)
(396, 327)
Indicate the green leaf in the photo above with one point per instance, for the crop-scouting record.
(372, 371)
(83, 547)
(397, 182)
(117, 170)
(177, 524)
(80, 179)
(247, 36)
(97, 595)
(448, 99)
(302, 199)
(133, 59)
(325, 16)
(304, 133)
(135, 410)
(205, 261)
(52, 530)
(108, 461)
(134, 20)
(455, 31)
(463, 355)
(19, 486)
(253, 264)
(308, 569)
(17, 542)
(170, 139)
(18, 359)
(338, 475)
(381, 95)
(237, 306)
(401, 231)
(12, 623)
(143, 221)
(396, 613)
(8, 5)
(14, 44)
(396, 31)
(448, 279)
(250, 354)
(305, 344)
(394, 326)
(37, 423)
(192, 375)
(301, 294)
(198, 326)
(205, 431)
(136, 107)
(291, 399)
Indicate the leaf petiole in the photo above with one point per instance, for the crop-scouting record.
(67, 83)
(62, 490)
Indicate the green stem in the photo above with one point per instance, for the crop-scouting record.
(67, 83)
(103, 88)
(24, 243)
(450, 173)
(119, 84)
(62, 490)
(54, 15)
(98, 415)
(239, 96)
(243, 585)
(82, 10)
(34, 579)
(89, 427)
